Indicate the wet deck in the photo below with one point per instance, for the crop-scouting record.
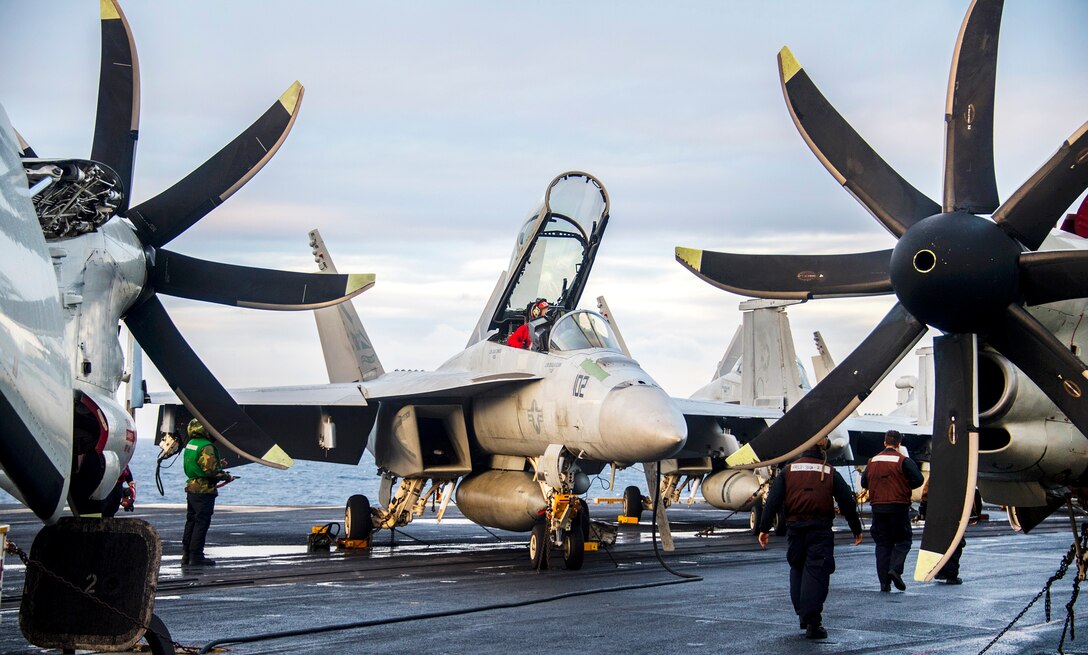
(482, 597)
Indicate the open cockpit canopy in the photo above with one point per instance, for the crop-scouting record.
(555, 248)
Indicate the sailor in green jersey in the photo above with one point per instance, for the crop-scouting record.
(204, 470)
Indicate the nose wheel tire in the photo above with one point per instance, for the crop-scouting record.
(574, 549)
(538, 547)
(357, 518)
(632, 502)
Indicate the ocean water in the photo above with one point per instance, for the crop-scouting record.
(305, 483)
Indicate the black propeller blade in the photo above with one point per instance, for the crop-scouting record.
(117, 125)
(787, 277)
(244, 286)
(954, 452)
(849, 159)
(197, 388)
(1053, 275)
(1030, 213)
(1049, 363)
(25, 151)
(162, 218)
(969, 181)
(954, 270)
(836, 396)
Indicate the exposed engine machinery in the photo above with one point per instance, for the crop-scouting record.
(83, 195)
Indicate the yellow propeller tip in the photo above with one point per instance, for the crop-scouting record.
(788, 66)
(278, 458)
(690, 256)
(109, 10)
(359, 282)
(292, 96)
(743, 457)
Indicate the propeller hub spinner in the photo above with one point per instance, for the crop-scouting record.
(956, 271)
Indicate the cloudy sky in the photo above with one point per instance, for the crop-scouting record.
(428, 130)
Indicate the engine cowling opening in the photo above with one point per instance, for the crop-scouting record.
(997, 386)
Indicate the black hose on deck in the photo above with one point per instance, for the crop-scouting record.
(653, 531)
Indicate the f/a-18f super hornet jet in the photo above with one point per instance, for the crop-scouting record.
(518, 430)
(77, 258)
(1006, 289)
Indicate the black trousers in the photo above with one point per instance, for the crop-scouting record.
(198, 516)
(951, 568)
(892, 535)
(811, 555)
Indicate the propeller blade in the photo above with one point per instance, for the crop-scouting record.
(892, 200)
(1049, 363)
(197, 388)
(245, 286)
(969, 181)
(118, 123)
(1030, 213)
(1053, 275)
(788, 277)
(25, 151)
(832, 400)
(1027, 518)
(954, 451)
(164, 217)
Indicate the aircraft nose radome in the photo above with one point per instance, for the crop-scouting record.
(641, 424)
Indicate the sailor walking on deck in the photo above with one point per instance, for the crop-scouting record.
(889, 477)
(808, 488)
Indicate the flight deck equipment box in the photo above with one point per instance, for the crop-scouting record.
(110, 571)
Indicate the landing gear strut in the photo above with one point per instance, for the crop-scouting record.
(566, 518)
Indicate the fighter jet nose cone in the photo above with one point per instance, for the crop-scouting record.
(640, 423)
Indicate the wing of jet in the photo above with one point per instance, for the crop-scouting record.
(1007, 350)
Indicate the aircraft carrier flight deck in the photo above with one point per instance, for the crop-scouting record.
(457, 588)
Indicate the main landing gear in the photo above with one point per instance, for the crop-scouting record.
(409, 501)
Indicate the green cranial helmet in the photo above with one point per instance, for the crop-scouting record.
(195, 429)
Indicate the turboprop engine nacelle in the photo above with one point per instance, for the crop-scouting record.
(1022, 433)
(731, 490)
(507, 500)
(116, 436)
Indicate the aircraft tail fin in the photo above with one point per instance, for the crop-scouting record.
(822, 363)
(349, 354)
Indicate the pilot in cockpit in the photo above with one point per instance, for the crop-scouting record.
(534, 332)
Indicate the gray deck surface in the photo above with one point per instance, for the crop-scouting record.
(266, 582)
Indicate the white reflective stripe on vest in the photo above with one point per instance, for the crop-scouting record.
(885, 458)
(815, 468)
